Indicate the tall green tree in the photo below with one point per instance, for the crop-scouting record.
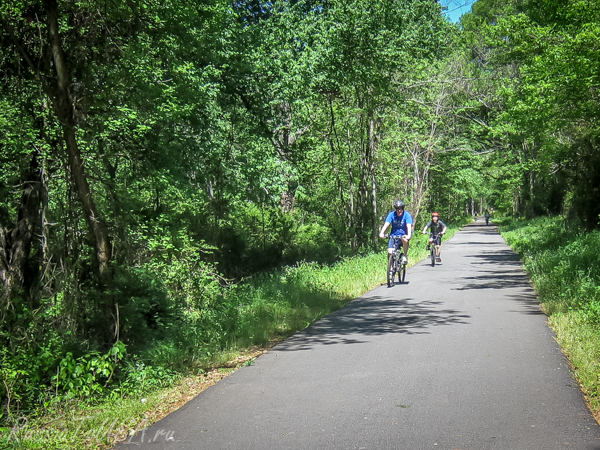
(545, 52)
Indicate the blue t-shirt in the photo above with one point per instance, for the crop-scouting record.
(399, 223)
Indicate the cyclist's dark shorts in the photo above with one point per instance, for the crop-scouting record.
(437, 238)
(395, 243)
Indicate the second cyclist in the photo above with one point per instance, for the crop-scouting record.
(437, 228)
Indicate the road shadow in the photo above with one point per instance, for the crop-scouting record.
(507, 274)
(528, 304)
(486, 243)
(480, 227)
(495, 280)
(373, 316)
(502, 257)
(397, 283)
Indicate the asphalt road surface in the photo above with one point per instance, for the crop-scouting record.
(459, 357)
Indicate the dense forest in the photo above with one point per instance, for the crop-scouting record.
(155, 154)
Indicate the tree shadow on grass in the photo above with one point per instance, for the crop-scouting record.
(373, 316)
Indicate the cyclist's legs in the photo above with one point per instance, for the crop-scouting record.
(438, 242)
(405, 244)
(393, 244)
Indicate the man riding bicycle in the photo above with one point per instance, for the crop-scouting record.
(487, 216)
(435, 237)
(401, 222)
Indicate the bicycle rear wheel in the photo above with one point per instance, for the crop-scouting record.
(402, 274)
(391, 271)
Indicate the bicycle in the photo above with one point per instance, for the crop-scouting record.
(433, 247)
(395, 264)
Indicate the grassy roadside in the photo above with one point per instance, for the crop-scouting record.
(271, 308)
(562, 263)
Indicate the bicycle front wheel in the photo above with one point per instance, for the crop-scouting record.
(391, 271)
(433, 255)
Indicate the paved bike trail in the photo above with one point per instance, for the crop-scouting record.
(459, 357)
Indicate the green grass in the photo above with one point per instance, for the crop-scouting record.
(84, 425)
(564, 267)
(270, 307)
(78, 427)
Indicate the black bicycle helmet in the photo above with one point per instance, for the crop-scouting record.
(398, 204)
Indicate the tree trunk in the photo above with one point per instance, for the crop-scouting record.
(420, 175)
(347, 208)
(351, 227)
(15, 246)
(372, 148)
(63, 105)
(65, 112)
(283, 139)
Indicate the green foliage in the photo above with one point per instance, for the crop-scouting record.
(53, 375)
(87, 375)
(540, 62)
(141, 378)
(562, 263)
